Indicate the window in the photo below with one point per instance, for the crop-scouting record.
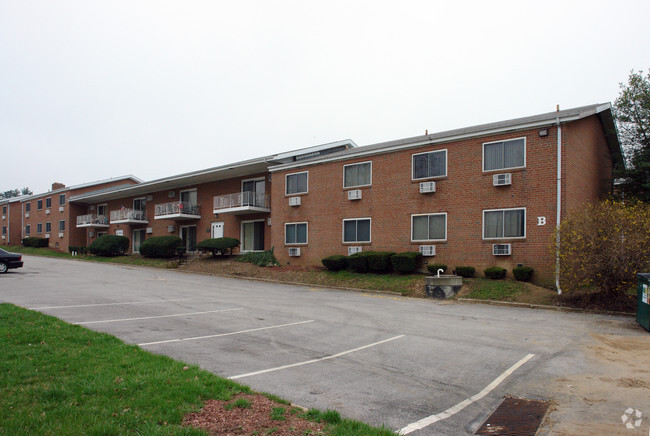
(62, 226)
(39, 204)
(4, 230)
(28, 207)
(102, 210)
(252, 235)
(504, 154)
(39, 228)
(28, 229)
(296, 183)
(356, 230)
(295, 233)
(504, 223)
(430, 164)
(140, 203)
(48, 227)
(4, 209)
(61, 199)
(429, 227)
(48, 203)
(357, 175)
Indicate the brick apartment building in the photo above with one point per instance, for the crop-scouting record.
(479, 196)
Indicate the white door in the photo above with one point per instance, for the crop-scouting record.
(217, 230)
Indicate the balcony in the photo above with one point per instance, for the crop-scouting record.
(92, 220)
(241, 203)
(178, 210)
(128, 216)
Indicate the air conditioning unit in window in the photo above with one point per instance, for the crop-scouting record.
(149, 230)
(27, 215)
(92, 207)
(352, 250)
(501, 249)
(47, 211)
(171, 194)
(47, 236)
(428, 250)
(294, 251)
(60, 235)
(149, 197)
(61, 208)
(354, 194)
(294, 201)
(171, 229)
(3, 236)
(502, 179)
(91, 234)
(427, 187)
(4, 217)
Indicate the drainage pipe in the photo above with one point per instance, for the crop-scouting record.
(558, 206)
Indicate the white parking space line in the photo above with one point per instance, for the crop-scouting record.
(155, 317)
(307, 362)
(108, 304)
(225, 334)
(460, 406)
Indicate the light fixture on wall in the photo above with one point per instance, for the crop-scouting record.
(543, 132)
(216, 215)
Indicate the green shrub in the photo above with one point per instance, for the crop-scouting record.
(494, 272)
(78, 249)
(406, 263)
(35, 241)
(109, 245)
(434, 267)
(379, 261)
(337, 262)
(216, 246)
(162, 246)
(465, 271)
(523, 273)
(259, 258)
(358, 262)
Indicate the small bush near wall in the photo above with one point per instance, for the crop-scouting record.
(109, 245)
(259, 258)
(77, 249)
(523, 273)
(216, 246)
(358, 262)
(161, 246)
(337, 262)
(465, 271)
(379, 261)
(434, 267)
(406, 263)
(35, 241)
(494, 272)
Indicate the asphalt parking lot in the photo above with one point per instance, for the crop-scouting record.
(420, 366)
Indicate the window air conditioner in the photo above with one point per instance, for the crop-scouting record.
(352, 250)
(47, 211)
(149, 229)
(27, 215)
(428, 250)
(502, 179)
(294, 251)
(61, 208)
(354, 194)
(149, 197)
(47, 236)
(60, 235)
(427, 187)
(501, 249)
(171, 194)
(91, 234)
(171, 229)
(92, 207)
(294, 201)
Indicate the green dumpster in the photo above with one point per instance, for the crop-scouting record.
(643, 302)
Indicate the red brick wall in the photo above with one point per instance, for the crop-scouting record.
(12, 221)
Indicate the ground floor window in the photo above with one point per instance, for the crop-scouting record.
(295, 233)
(188, 236)
(429, 227)
(356, 230)
(504, 223)
(28, 229)
(252, 235)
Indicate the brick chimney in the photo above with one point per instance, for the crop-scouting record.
(57, 185)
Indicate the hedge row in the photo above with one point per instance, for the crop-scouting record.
(374, 261)
(35, 241)
(109, 245)
(162, 246)
(223, 246)
(78, 249)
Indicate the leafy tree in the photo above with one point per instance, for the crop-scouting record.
(604, 246)
(26, 191)
(632, 111)
(15, 193)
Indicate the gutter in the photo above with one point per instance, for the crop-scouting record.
(558, 206)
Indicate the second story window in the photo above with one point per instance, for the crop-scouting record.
(296, 183)
(48, 203)
(430, 164)
(28, 207)
(61, 199)
(357, 175)
(504, 154)
(39, 204)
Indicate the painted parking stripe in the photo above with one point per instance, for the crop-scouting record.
(108, 304)
(225, 334)
(307, 362)
(460, 406)
(155, 317)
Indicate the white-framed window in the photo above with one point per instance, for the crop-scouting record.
(504, 223)
(4, 209)
(62, 226)
(358, 174)
(28, 229)
(39, 204)
(429, 227)
(356, 230)
(39, 228)
(28, 207)
(61, 199)
(48, 227)
(252, 235)
(102, 210)
(4, 230)
(296, 183)
(140, 203)
(429, 164)
(501, 155)
(48, 202)
(295, 233)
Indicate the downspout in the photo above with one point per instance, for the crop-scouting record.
(558, 206)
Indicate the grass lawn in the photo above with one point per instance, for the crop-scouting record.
(57, 378)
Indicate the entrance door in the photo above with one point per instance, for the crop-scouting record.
(252, 236)
(138, 238)
(217, 230)
(188, 235)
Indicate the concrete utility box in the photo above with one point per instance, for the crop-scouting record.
(642, 302)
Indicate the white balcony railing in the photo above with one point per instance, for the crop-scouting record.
(128, 215)
(92, 220)
(178, 209)
(241, 200)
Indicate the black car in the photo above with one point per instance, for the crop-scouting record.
(9, 260)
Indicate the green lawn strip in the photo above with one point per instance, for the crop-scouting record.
(380, 282)
(57, 378)
(499, 290)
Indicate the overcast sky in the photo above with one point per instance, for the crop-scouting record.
(91, 90)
